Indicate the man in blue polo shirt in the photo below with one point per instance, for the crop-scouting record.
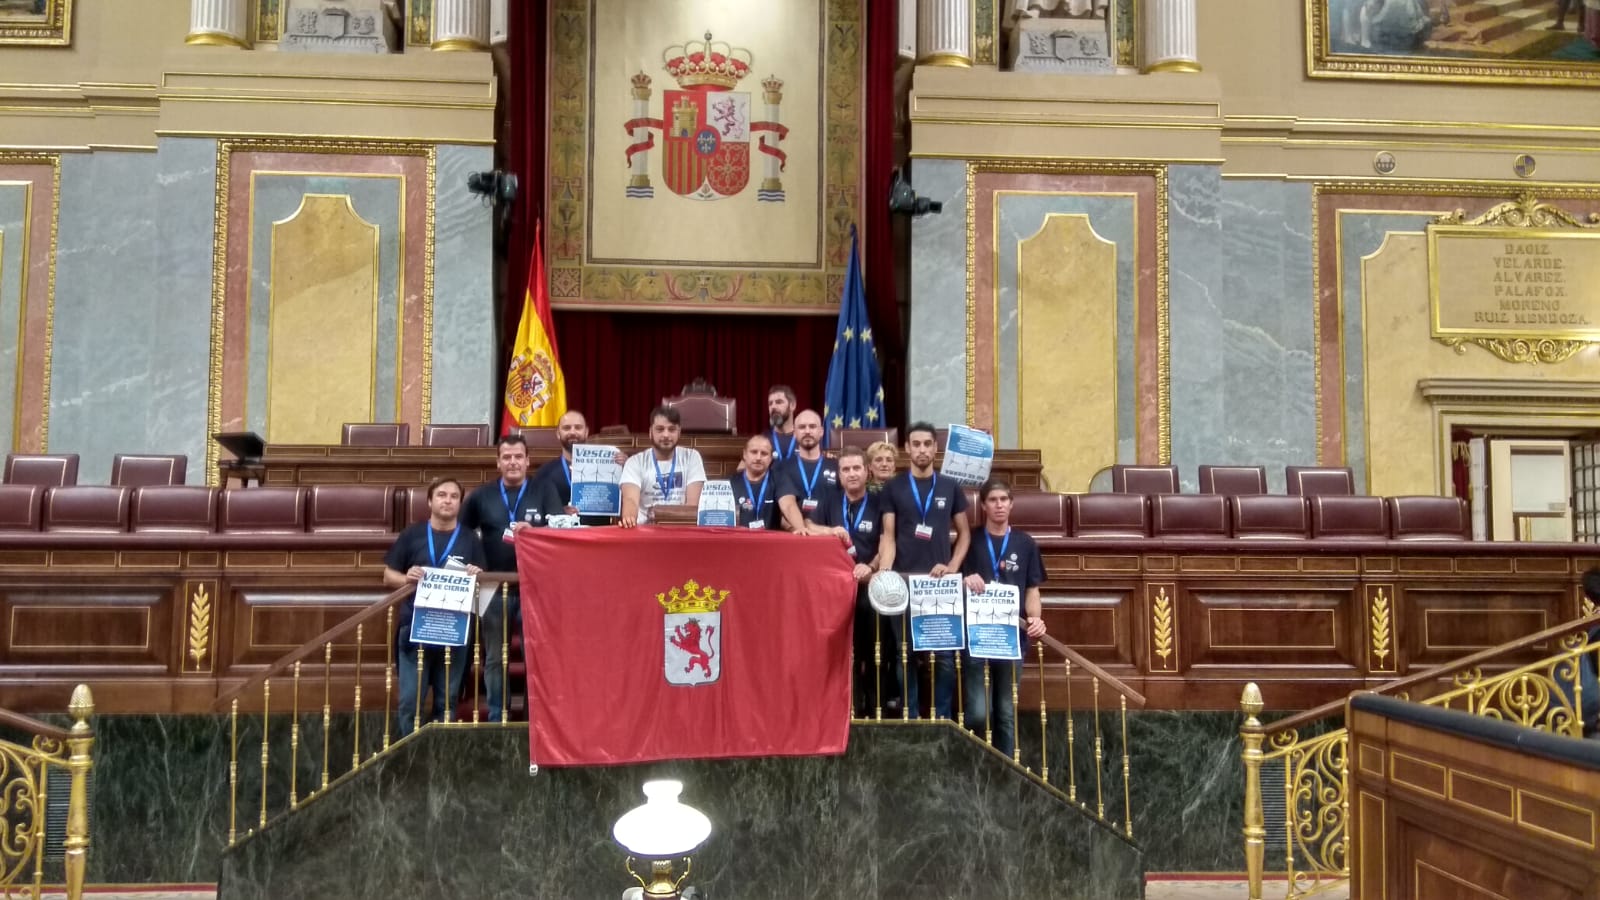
(921, 511)
(855, 516)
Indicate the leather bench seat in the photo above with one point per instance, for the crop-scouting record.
(1236, 481)
(1042, 513)
(43, 469)
(1189, 516)
(410, 506)
(1429, 519)
(1127, 479)
(21, 507)
(87, 508)
(148, 470)
(174, 509)
(1357, 518)
(1269, 516)
(262, 510)
(1110, 516)
(350, 508)
(1318, 481)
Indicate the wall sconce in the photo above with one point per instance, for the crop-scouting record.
(660, 831)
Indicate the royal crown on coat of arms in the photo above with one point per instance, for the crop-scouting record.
(692, 598)
(707, 63)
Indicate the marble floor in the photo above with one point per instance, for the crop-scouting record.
(1159, 887)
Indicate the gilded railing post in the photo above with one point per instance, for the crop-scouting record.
(1255, 828)
(80, 743)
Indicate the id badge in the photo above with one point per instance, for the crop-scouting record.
(851, 550)
(757, 525)
(508, 536)
(810, 505)
(924, 532)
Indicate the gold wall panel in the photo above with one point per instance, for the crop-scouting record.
(1067, 348)
(323, 309)
(1399, 352)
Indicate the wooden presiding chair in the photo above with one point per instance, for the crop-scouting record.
(704, 413)
(148, 470)
(456, 436)
(375, 434)
(43, 469)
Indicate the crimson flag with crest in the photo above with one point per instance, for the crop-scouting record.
(684, 643)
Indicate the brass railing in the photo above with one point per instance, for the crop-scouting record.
(1071, 737)
(329, 709)
(1546, 695)
(25, 798)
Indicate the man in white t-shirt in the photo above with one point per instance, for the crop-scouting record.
(665, 473)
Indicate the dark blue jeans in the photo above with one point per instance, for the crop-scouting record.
(497, 644)
(433, 678)
(993, 708)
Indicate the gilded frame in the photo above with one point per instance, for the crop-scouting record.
(577, 282)
(226, 148)
(1323, 61)
(52, 28)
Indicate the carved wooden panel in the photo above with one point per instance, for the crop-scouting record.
(1093, 623)
(1442, 624)
(61, 628)
(1249, 625)
(270, 622)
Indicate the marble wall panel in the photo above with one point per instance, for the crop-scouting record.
(1268, 339)
(464, 363)
(1018, 216)
(937, 362)
(377, 200)
(1195, 285)
(108, 342)
(186, 171)
(14, 198)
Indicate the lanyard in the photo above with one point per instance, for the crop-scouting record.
(779, 451)
(760, 499)
(511, 508)
(923, 505)
(664, 484)
(809, 483)
(433, 556)
(844, 507)
(566, 469)
(994, 558)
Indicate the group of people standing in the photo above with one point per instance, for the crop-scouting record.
(911, 522)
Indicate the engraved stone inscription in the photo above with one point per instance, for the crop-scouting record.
(1514, 282)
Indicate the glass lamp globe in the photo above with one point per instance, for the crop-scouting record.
(663, 827)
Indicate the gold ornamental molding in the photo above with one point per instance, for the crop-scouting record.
(1380, 629)
(1163, 630)
(1515, 281)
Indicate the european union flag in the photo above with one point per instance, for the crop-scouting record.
(854, 398)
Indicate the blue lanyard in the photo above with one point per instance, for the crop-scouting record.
(844, 509)
(994, 559)
(511, 508)
(779, 451)
(923, 505)
(809, 483)
(664, 485)
(760, 499)
(566, 469)
(433, 556)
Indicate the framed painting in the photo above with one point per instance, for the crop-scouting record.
(47, 22)
(705, 155)
(1525, 42)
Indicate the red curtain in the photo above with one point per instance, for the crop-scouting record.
(619, 365)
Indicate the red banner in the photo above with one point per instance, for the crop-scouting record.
(684, 643)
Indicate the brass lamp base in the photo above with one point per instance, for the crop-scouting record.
(661, 885)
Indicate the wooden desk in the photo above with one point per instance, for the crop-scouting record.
(308, 464)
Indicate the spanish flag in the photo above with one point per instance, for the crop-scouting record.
(536, 391)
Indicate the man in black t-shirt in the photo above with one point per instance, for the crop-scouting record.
(556, 475)
(856, 518)
(921, 511)
(495, 512)
(807, 481)
(441, 542)
(754, 491)
(1009, 557)
(780, 413)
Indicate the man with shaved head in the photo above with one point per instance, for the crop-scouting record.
(807, 480)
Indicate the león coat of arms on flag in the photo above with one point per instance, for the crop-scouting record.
(693, 634)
